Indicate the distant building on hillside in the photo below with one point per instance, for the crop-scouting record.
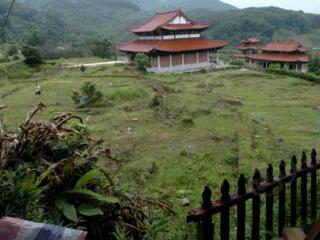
(174, 43)
(289, 55)
(249, 46)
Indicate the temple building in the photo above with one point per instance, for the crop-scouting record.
(174, 44)
(249, 46)
(289, 55)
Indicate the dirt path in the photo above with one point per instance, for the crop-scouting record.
(94, 64)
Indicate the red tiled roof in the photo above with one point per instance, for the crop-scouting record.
(156, 21)
(284, 47)
(176, 45)
(142, 46)
(251, 40)
(189, 26)
(280, 57)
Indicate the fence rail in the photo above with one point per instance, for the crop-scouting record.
(203, 215)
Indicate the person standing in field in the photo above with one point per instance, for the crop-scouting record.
(37, 89)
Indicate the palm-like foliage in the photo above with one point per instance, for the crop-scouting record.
(55, 172)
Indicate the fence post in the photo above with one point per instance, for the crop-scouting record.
(293, 192)
(303, 191)
(225, 218)
(241, 210)
(314, 185)
(205, 227)
(269, 204)
(256, 206)
(282, 198)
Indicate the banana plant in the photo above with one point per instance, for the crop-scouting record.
(92, 201)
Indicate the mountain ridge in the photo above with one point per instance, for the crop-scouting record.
(70, 23)
(152, 5)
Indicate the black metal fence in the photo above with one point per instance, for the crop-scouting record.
(308, 213)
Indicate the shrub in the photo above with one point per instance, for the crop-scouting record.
(307, 76)
(203, 70)
(12, 51)
(238, 63)
(156, 101)
(88, 95)
(187, 122)
(32, 56)
(82, 68)
(142, 61)
(314, 65)
(274, 66)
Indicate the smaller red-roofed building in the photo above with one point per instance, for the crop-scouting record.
(289, 55)
(173, 43)
(249, 46)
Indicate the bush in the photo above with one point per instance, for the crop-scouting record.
(238, 63)
(88, 95)
(156, 100)
(32, 56)
(12, 51)
(314, 65)
(142, 61)
(274, 66)
(306, 76)
(102, 48)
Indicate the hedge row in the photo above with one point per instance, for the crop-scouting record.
(306, 76)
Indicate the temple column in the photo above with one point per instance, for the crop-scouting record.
(197, 57)
(170, 61)
(182, 55)
(159, 62)
(217, 56)
(208, 56)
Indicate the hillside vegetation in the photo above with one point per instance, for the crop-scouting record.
(74, 23)
(173, 134)
(71, 23)
(154, 5)
(267, 23)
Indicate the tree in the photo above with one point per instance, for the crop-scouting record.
(32, 56)
(142, 61)
(12, 51)
(314, 65)
(35, 40)
(102, 48)
(2, 36)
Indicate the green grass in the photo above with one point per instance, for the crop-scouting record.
(212, 126)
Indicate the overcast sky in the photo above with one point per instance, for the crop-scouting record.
(312, 6)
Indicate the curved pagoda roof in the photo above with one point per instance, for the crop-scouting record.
(162, 20)
(175, 45)
(280, 57)
(284, 47)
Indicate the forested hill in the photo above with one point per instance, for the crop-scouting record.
(73, 22)
(87, 19)
(24, 20)
(153, 5)
(269, 23)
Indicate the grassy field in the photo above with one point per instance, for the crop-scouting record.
(208, 127)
